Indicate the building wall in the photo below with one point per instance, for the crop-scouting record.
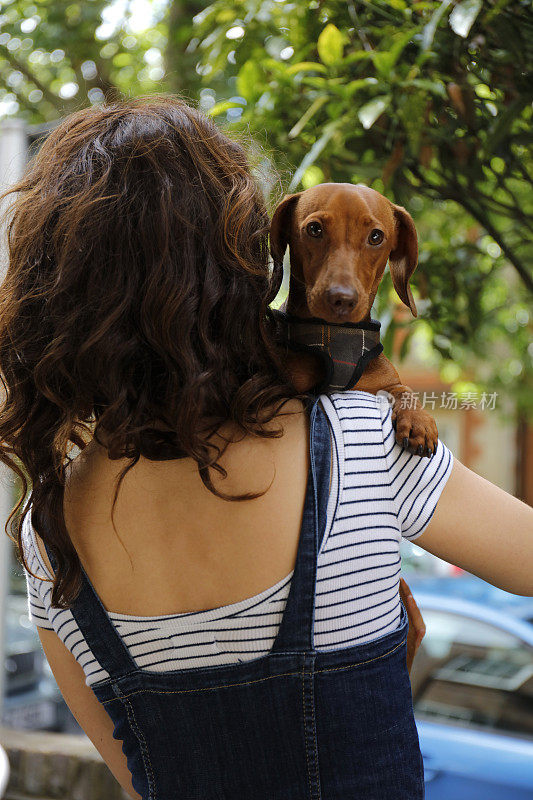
(483, 440)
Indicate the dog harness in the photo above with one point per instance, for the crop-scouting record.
(344, 349)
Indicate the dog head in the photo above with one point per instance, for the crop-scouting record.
(340, 236)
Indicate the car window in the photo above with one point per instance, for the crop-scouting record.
(474, 674)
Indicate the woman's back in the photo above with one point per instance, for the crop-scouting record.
(183, 548)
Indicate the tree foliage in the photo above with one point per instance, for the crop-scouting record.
(59, 55)
(429, 102)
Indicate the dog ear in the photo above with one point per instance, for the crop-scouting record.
(404, 258)
(280, 227)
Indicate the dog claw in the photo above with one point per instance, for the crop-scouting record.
(405, 443)
(420, 449)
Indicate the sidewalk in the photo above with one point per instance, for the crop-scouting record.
(56, 766)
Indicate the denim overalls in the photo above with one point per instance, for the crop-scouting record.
(295, 724)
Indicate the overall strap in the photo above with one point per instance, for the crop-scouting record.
(96, 626)
(295, 633)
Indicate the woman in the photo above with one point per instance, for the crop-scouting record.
(134, 325)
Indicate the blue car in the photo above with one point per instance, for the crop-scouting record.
(472, 685)
(32, 698)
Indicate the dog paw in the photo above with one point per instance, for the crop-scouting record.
(416, 430)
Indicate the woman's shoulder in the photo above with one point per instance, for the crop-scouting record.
(370, 410)
(366, 442)
(360, 424)
(34, 549)
(356, 398)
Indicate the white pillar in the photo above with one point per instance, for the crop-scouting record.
(13, 155)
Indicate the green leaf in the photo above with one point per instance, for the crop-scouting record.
(304, 119)
(361, 83)
(226, 15)
(220, 108)
(385, 60)
(321, 83)
(463, 17)
(330, 45)
(504, 122)
(413, 105)
(436, 87)
(312, 176)
(249, 79)
(431, 27)
(314, 152)
(305, 66)
(357, 55)
(369, 113)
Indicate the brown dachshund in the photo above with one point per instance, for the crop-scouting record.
(340, 237)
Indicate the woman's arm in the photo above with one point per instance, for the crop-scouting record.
(484, 530)
(90, 714)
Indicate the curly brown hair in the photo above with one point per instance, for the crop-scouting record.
(137, 293)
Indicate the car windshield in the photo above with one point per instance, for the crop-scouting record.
(473, 673)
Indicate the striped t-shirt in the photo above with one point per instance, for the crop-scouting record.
(378, 494)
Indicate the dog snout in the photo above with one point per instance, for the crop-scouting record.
(341, 299)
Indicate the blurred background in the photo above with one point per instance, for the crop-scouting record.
(430, 103)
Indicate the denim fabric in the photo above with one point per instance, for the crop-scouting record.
(295, 724)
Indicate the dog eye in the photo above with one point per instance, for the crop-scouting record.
(314, 228)
(376, 236)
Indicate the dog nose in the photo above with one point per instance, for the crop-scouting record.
(342, 299)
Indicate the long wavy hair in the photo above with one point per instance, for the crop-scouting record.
(135, 303)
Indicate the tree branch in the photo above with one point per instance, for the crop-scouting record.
(53, 99)
(498, 237)
(461, 198)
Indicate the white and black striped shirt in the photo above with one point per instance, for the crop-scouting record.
(379, 493)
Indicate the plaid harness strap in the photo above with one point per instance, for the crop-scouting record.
(344, 349)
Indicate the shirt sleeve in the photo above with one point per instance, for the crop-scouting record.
(416, 481)
(35, 588)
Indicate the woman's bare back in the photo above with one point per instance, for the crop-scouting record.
(184, 549)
